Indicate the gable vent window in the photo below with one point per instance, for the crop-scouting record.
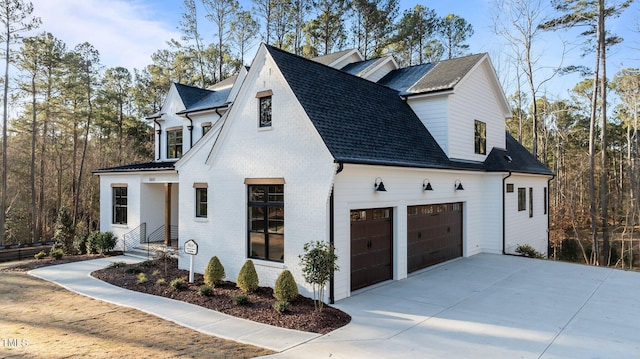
(480, 136)
(264, 108)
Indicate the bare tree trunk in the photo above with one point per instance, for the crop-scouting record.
(604, 192)
(592, 164)
(34, 215)
(3, 201)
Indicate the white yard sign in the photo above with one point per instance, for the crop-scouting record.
(191, 248)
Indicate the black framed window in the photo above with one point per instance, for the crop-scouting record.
(544, 198)
(522, 199)
(174, 143)
(480, 136)
(509, 187)
(266, 222)
(201, 202)
(530, 202)
(119, 205)
(205, 129)
(265, 111)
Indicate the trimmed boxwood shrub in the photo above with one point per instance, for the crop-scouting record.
(247, 278)
(101, 242)
(205, 290)
(286, 288)
(241, 299)
(178, 284)
(281, 306)
(56, 253)
(214, 273)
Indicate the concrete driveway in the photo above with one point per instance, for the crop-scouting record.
(491, 306)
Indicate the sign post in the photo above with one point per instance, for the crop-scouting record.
(191, 248)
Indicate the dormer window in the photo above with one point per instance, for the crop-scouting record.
(480, 137)
(174, 142)
(206, 127)
(264, 108)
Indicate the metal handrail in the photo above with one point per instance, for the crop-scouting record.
(133, 237)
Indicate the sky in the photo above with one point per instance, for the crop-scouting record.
(127, 32)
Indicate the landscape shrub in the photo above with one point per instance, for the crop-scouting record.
(64, 231)
(241, 299)
(100, 242)
(570, 250)
(116, 264)
(286, 288)
(247, 278)
(178, 284)
(56, 253)
(40, 255)
(142, 278)
(155, 273)
(205, 290)
(161, 281)
(281, 306)
(80, 243)
(214, 273)
(147, 263)
(528, 251)
(318, 265)
(134, 270)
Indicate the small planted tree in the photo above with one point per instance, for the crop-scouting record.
(214, 273)
(318, 264)
(247, 278)
(286, 288)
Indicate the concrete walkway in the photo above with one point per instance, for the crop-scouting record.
(76, 278)
(485, 306)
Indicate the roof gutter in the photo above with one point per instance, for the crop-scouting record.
(504, 214)
(332, 234)
(190, 128)
(159, 132)
(203, 109)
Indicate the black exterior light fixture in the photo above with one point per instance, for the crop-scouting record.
(457, 186)
(426, 185)
(378, 186)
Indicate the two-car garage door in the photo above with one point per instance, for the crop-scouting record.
(434, 235)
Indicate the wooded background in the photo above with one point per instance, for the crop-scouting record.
(64, 114)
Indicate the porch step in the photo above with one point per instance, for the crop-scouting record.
(140, 252)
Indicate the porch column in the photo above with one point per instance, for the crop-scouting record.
(167, 214)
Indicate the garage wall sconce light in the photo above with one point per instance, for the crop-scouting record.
(426, 185)
(378, 186)
(457, 186)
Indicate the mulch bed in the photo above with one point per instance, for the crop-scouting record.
(300, 314)
(29, 264)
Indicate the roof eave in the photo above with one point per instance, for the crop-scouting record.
(187, 111)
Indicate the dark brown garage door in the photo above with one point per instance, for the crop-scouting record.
(371, 246)
(434, 234)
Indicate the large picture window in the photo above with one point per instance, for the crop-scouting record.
(174, 143)
(480, 135)
(119, 203)
(266, 222)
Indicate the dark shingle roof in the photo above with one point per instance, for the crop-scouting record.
(213, 99)
(139, 167)
(329, 58)
(190, 94)
(403, 79)
(516, 158)
(355, 68)
(439, 76)
(359, 121)
(445, 74)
